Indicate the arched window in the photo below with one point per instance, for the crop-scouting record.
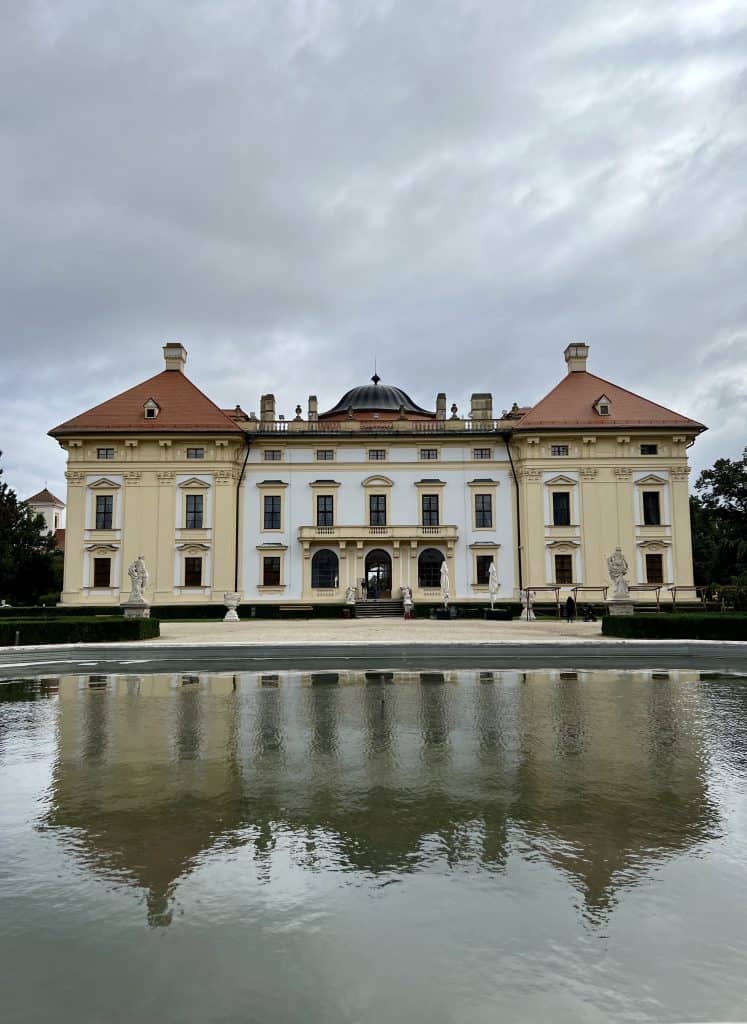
(325, 569)
(429, 568)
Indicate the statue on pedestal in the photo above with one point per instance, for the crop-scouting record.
(617, 566)
(445, 583)
(492, 584)
(232, 600)
(139, 580)
(350, 595)
(527, 604)
(407, 602)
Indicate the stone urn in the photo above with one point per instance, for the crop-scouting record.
(231, 601)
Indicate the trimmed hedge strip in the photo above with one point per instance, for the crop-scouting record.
(676, 627)
(68, 630)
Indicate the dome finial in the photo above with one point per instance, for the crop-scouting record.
(376, 378)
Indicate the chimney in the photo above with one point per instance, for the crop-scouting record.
(174, 355)
(576, 356)
(267, 409)
(441, 405)
(313, 409)
(481, 406)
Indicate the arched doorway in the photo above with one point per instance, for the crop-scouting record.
(378, 576)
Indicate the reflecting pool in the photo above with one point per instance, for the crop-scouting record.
(455, 846)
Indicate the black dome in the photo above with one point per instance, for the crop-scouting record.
(376, 397)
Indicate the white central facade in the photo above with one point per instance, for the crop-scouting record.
(357, 500)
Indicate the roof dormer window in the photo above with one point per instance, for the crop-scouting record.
(152, 409)
(603, 406)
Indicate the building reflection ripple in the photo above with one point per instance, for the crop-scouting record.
(598, 774)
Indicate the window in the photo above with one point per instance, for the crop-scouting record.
(651, 509)
(272, 455)
(483, 569)
(654, 569)
(558, 449)
(649, 449)
(104, 511)
(604, 409)
(377, 454)
(484, 511)
(430, 510)
(377, 510)
(272, 512)
(564, 568)
(325, 515)
(429, 568)
(150, 414)
(428, 453)
(325, 455)
(482, 453)
(194, 512)
(271, 571)
(102, 572)
(561, 508)
(325, 570)
(195, 453)
(192, 572)
(104, 453)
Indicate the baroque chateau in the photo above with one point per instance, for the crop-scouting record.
(374, 494)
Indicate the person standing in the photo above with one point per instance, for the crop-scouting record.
(570, 609)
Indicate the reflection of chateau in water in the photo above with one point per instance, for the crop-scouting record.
(599, 774)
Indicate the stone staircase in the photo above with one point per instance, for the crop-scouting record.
(379, 609)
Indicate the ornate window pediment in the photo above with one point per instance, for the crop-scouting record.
(377, 480)
(104, 483)
(194, 481)
(650, 479)
(561, 480)
(193, 547)
(102, 549)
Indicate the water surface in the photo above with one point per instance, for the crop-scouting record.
(441, 847)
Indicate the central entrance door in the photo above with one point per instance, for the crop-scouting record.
(378, 574)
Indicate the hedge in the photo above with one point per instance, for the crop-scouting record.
(676, 626)
(68, 630)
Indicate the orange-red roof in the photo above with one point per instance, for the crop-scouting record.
(571, 405)
(182, 408)
(44, 497)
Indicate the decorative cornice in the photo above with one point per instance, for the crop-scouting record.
(133, 477)
(526, 473)
(224, 477)
(589, 473)
(75, 479)
(679, 472)
(165, 477)
(623, 472)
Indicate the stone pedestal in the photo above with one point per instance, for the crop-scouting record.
(620, 606)
(497, 614)
(231, 601)
(136, 609)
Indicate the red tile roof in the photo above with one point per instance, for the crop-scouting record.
(45, 497)
(183, 408)
(571, 405)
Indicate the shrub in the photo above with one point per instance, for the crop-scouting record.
(69, 630)
(693, 626)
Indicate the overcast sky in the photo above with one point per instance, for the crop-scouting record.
(457, 187)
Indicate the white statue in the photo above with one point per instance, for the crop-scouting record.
(407, 602)
(445, 581)
(527, 603)
(617, 566)
(350, 595)
(492, 584)
(139, 580)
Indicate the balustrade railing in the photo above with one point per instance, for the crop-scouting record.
(376, 426)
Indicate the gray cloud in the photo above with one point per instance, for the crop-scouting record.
(458, 188)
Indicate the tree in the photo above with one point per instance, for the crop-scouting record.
(29, 562)
(719, 524)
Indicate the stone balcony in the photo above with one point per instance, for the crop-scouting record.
(412, 535)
